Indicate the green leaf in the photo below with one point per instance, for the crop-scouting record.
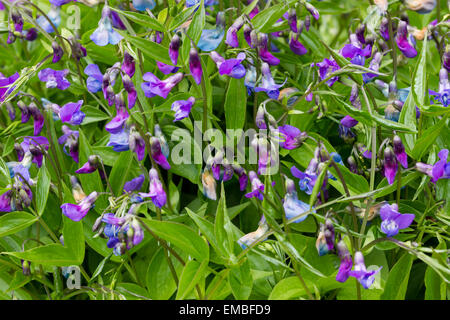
(192, 274)
(160, 282)
(397, 281)
(428, 137)
(120, 170)
(235, 104)
(93, 115)
(152, 49)
(318, 185)
(223, 228)
(42, 189)
(74, 238)
(241, 281)
(15, 221)
(267, 17)
(141, 19)
(52, 255)
(435, 287)
(198, 24)
(182, 17)
(181, 236)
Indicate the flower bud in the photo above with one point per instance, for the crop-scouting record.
(195, 65)
(31, 34)
(312, 10)
(352, 164)
(57, 52)
(173, 49)
(128, 65)
(26, 268)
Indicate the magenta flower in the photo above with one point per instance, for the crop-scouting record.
(390, 165)
(182, 108)
(325, 68)
(136, 144)
(90, 166)
(166, 68)
(156, 191)
(404, 42)
(157, 155)
(296, 46)
(399, 151)
(393, 221)
(346, 262)
(128, 65)
(231, 38)
(291, 137)
(70, 140)
(154, 86)
(264, 53)
(54, 78)
(174, 47)
(366, 278)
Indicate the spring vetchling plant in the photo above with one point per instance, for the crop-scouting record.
(218, 149)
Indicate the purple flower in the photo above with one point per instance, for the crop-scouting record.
(307, 178)
(116, 21)
(404, 42)
(291, 137)
(174, 47)
(390, 165)
(59, 3)
(230, 67)
(154, 86)
(243, 179)
(166, 68)
(312, 10)
(77, 212)
(71, 113)
(95, 79)
(90, 166)
(38, 118)
(268, 84)
(130, 89)
(264, 53)
(366, 153)
(384, 28)
(366, 278)
(257, 187)
(296, 46)
(136, 144)
(128, 64)
(57, 52)
(293, 207)
(195, 65)
(182, 108)
(392, 220)
(105, 34)
(142, 5)
(325, 68)
(134, 184)
(355, 51)
(211, 38)
(156, 192)
(5, 85)
(346, 262)
(440, 170)
(325, 239)
(349, 122)
(5, 201)
(446, 59)
(70, 140)
(399, 151)
(374, 66)
(443, 96)
(34, 144)
(54, 78)
(157, 155)
(117, 123)
(232, 39)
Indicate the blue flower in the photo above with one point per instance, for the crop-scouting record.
(294, 207)
(54, 17)
(94, 81)
(211, 38)
(142, 5)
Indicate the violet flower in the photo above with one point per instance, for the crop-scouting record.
(290, 137)
(346, 262)
(232, 39)
(243, 178)
(57, 52)
(130, 89)
(59, 3)
(443, 96)
(366, 278)
(70, 140)
(90, 166)
(182, 108)
(296, 46)
(38, 118)
(136, 144)
(374, 66)
(325, 68)
(5, 85)
(263, 51)
(393, 221)
(95, 78)
(34, 143)
(399, 151)
(211, 38)
(105, 34)
(154, 86)
(230, 67)
(384, 28)
(156, 191)
(54, 78)
(250, 79)
(294, 207)
(404, 41)
(118, 122)
(307, 178)
(440, 170)
(390, 165)
(71, 113)
(76, 212)
(268, 84)
(348, 122)
(257, 187)
(195, 65)
(166, 68)
(128, 65)
(134, 184)
(355, 51)
(157, 155)
(119, 140)
(174, 48)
